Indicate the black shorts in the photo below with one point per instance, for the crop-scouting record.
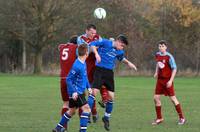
(105, 77)
(77, 103)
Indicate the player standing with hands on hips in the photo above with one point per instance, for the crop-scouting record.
(165, 72)
(106, 55)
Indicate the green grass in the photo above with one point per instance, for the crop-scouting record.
(32, 104)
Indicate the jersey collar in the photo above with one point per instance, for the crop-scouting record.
(81, 60)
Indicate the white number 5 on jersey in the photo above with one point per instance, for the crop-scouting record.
(65, 54)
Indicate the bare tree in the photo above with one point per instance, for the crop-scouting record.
(35, 23)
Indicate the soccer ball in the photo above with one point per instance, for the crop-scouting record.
(100, 13)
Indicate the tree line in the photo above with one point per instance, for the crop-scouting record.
(30, 31)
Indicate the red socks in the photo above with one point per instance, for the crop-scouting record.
(179, 111)
(63, 111)
(158, 112)
(104, 94)
(94, 108)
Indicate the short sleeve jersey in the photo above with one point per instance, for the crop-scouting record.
(166, 64)
(67, 58)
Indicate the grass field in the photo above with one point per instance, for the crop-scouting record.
(32, 104)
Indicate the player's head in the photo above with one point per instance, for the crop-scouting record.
(83, 50)
(162, 45)
(121, 41)
(91, 30)
(73, 39)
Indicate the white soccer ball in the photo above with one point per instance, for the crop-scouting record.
(100, 13)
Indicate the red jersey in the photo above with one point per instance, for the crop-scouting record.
(67, 58)
(166, 64)
(91, 58)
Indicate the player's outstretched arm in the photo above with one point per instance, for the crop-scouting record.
(130, 64)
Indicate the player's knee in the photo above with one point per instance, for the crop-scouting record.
(111, 95)
(156, 99)
(65, 104)
(86, 108)
(71, 112)
(174, 100)
(95, 91)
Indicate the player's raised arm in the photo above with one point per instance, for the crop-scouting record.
(130, 64)
(94, 50)
(94, 46)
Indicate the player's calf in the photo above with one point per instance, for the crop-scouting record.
(84, 117)
(95, 118)
(102, 104)
(91, 99)
(94, 112)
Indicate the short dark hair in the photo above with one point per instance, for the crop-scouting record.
(89, 26)
(163, 42)
(82, 49)
(123, 39)
(73, 39)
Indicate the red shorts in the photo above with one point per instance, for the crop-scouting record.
(161, 88)
(63, 90)
(90, 73)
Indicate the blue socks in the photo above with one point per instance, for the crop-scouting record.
(83, 121)
(65, 118)
(91, 99)
(109, 108)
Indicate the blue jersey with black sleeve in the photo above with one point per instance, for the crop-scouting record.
(108, 53)
(77, 80)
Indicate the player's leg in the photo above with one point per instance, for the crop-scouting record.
(64, 120)
(84, 118)
(80, 110)
(108, 111)
(91, 79)
(158, 92)
(82, 103)
(157, 102)
(104, 96)
(64, 95)
(171, 93)
(64, 107)
(95, 87)
(178, 110)
(109, 105)
(94, 112)
(91, 97)
(108, 80)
